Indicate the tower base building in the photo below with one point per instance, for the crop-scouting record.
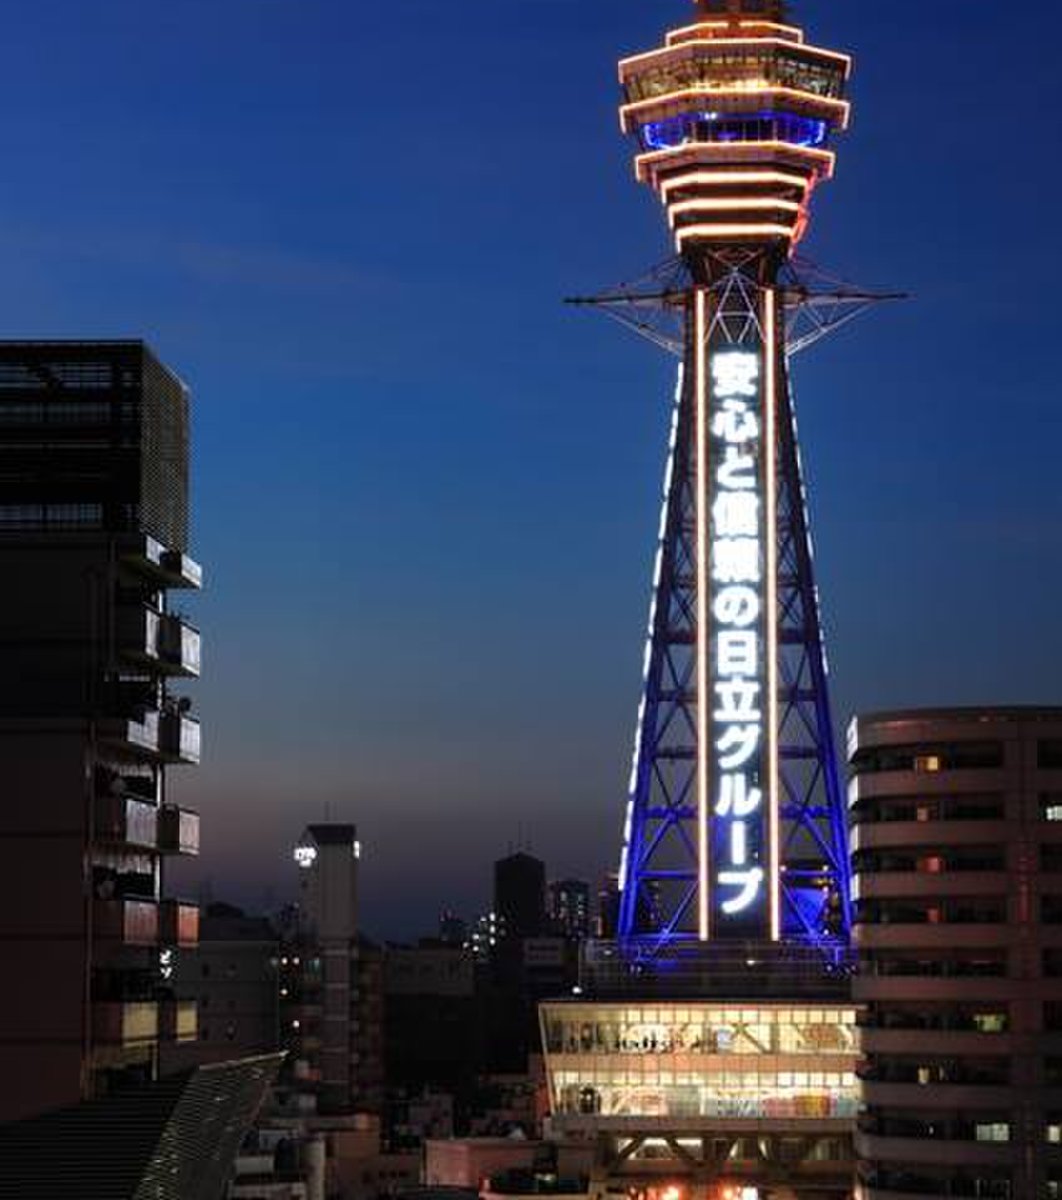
(699, 1081)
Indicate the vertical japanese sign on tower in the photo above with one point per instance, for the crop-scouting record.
(735, 636)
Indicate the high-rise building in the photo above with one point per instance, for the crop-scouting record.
(568, 904)
(520, 895)
(93, 541)
(957, 849)
(710, 1051)
(321, 970)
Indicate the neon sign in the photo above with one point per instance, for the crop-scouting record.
(737, 647)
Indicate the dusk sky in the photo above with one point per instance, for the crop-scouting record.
(426, 492)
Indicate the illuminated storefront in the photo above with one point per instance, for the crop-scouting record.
(688, 1060)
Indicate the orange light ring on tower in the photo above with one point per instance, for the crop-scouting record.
(731, 178)
(679, 35)
(716, 233)
(737, 204)
(645, 163)
(841, 107)
(670, 51)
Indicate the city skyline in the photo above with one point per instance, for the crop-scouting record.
(425, 492)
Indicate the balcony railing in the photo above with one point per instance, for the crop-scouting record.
(171, 568)
(163, 641)
(179, 645)
(125, 821)
(179, 1021)
(179, 923)
(179, 738)
(115, 1023)
(178, 830)
(131, 922)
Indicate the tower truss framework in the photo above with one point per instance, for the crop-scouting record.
(735, 826)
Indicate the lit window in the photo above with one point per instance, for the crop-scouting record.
(927, 762)
(1053, 1133)
(993, 1131)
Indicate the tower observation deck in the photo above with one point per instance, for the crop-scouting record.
(734, 829)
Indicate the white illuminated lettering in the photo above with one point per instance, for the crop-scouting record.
(737, 471)
(736, 423)
(749, 884)
(735, 373)
(739, 843)
(738, 701)
(738, 652)
(736, 514)
(737, 746)
(736, 798)
(737, 558)
(737, 606)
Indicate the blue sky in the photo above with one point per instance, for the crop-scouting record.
(425, 491)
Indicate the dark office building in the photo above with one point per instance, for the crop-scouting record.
(520, 895)
(93, 539)
(233, 979)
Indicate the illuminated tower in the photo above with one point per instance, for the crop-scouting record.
(710, 1052)
(735, 827)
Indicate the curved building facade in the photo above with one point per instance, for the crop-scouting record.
(956, 820)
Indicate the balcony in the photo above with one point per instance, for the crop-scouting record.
(115, 1023)
(167, 568)
(137, 632)
(131, 922)
(121, 820)
(179, 923)
(179, 738)
(179, 646)
(178, 830)
(162, 642)
(178, 1021)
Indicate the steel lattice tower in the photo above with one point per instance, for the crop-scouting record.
(735, 825)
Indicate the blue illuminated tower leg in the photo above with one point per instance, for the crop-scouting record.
(816, 889)
(658, 871)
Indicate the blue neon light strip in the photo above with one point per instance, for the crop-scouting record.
(744, 127)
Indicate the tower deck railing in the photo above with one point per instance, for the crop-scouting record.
(715, 970)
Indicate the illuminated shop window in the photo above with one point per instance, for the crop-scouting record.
(992, 1131)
